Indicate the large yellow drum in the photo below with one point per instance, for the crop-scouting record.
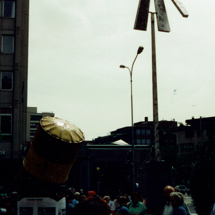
(53, 150)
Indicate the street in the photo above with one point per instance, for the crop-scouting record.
(188, 201)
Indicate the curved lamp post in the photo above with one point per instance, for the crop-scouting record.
(140, 49)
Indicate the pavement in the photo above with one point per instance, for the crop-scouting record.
(188, 200)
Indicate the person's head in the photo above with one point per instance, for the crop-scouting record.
(106, 198)
(77, 195)
(177, 199)
(91, 194)
(93, 206)
(135, 198)
(82, 198)
(167, 191)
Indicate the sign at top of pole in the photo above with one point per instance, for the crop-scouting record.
(162, 19)
(142, 15)
(180, 8)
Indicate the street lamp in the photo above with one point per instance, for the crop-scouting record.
(140, 49)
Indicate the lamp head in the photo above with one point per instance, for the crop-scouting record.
(140, 49)
(122, 66)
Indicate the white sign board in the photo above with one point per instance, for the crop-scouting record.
(41, 206)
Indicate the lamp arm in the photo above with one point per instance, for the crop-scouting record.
(133, 64)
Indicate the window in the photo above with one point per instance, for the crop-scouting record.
(138, 131)
(7, 44)
(36, 117)
(148, 142)
(5, 126)
(138, 141)
(34, 125)
(9, 9)
(148, 132)
(143, 141)
(5, 123)
(6, 81)
(32, 133)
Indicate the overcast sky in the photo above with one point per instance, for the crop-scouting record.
(76, 48)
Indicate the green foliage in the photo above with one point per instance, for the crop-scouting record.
(203, 178)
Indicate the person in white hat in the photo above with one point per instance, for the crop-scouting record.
(75, 201)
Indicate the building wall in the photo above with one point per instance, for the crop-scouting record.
(33, 120)
(187, 140)
(196, 131)
(107, 169)
(14, 71)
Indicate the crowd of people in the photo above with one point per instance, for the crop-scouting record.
(78, 203)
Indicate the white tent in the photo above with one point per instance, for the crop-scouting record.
(120, 142)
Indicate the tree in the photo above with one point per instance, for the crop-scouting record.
(203, 178)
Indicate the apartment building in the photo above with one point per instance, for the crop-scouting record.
(14, 24)
(195, 132)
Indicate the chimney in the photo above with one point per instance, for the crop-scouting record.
(146, 119)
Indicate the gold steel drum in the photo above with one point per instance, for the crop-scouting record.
(53, 150)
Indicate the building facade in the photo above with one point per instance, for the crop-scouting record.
(14, 25)
(105, 165)
(14, 21)
(107, 169)
(195, 132)
(143, 134)
(33, 120)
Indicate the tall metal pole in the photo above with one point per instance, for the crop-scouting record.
(140, 49)
(155, 94)
(132, 124)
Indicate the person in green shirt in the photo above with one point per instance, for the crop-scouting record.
(135, 207)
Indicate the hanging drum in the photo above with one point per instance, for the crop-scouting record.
(53, 150)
